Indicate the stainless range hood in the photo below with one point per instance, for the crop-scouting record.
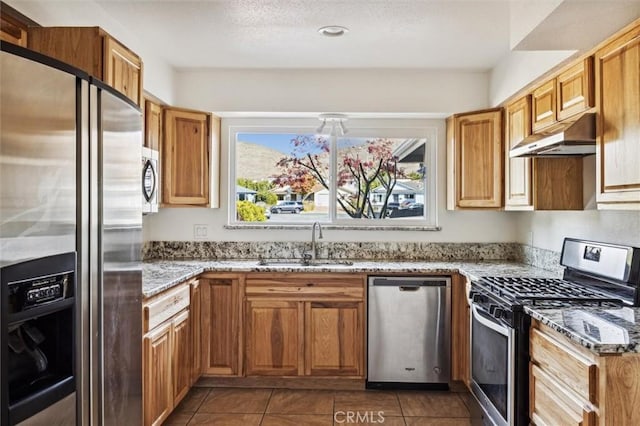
(569, 138)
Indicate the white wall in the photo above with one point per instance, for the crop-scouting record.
(157, 74)
(518, 69)
(547, 229)
(177, 224)
(331, 90)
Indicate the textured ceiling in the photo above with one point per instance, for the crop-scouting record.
(283, 33)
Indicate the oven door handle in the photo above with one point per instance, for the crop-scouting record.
(487, 322)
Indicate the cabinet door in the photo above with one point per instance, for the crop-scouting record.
(152, 125)
(544, 106)
(575, 90)
(552, 404)
(477, 155)
(334, 339)
(196, 335)
(186, 157)
(274, 338)
(460, 322)
(122, 70)
(181, 357)
(220, 314)
(12, 30)
(158, 388)
(618, 126)
(518, 170)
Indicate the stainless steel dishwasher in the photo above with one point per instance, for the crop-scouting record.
(409, 332)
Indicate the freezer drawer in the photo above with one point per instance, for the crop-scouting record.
(409, 330)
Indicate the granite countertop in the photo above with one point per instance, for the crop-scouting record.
(160, 275)
(599, 329)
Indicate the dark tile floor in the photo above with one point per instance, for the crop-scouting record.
(283, 407)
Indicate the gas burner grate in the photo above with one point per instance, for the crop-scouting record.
(522, 289)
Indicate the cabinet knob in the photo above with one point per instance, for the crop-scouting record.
(309, 284)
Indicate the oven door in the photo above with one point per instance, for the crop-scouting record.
(492, 366)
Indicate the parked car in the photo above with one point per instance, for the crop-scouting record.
(287, 206)
(416, 206)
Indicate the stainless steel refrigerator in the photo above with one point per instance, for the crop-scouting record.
(70, 180)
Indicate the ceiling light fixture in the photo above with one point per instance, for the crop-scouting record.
(321, 127)
(336, 121)
(333, 30)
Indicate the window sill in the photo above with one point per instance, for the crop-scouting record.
(338, 227)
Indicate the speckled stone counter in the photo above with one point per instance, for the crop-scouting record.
(601, 330)
(159, 275)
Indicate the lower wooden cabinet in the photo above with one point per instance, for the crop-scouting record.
(460, 329)
(195, 318)
(304, 325)
(333, 338)
(181, 367)
(221, 306)
(274, 338)
(167, 353)
(158, 388)
(570, 385)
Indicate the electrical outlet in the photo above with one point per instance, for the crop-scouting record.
(200, 232)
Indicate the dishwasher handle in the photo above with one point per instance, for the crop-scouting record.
(408, 285)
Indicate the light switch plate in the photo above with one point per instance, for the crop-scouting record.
(200, 232)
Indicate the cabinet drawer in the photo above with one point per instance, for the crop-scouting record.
(552, 404)
(574, 370)
(305, 286)
(166, 306)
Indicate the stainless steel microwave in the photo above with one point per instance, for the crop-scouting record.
(150, 180)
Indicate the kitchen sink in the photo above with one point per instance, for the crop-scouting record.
(303, 262)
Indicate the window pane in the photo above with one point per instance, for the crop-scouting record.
(381, 178)
(282, 177)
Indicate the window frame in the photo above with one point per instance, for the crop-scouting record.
(380, 127)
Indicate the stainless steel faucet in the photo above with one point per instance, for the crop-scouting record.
(314, 253)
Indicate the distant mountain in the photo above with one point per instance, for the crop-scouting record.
(254, 161)
(257, 162)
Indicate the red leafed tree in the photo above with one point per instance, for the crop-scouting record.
(361, 169)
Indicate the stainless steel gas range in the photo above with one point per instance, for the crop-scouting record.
(595, 274)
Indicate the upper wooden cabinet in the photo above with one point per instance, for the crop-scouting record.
(575, 89)
(517, 183)
(94, 51)
(544, 105)
(618, 125)
(152, 125)
(475, 156)
(12, 29)
(569, 93)
(185, 157)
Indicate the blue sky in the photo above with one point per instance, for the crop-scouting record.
(282, 141)
(277, 141)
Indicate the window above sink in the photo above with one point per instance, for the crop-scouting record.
(381, 174)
